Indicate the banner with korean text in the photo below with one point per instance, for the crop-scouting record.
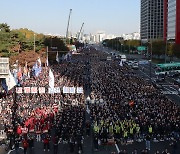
(79, 90)
(33, 90)
(19, 90)
(66, 90)
(72, 90)
(42, 90)
(27, 90)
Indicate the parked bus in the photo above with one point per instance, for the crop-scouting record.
(167, 68)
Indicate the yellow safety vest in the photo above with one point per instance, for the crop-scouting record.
(125, 133)
(96, 129)
(150, 129)
(117, 129)
(111, 129)
(137, 129)
(131, 130)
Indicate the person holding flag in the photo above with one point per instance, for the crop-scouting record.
(37, 68)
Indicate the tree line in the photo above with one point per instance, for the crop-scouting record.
(157, 47)
(18, 42)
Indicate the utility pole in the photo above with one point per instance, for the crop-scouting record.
(67, 31)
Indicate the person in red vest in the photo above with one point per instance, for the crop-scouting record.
(19, 131)
(131, 103)
(25, 145)
(46, 142)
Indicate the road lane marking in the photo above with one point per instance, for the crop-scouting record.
(14, 150)
(117, 148)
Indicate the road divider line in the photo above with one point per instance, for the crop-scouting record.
(117, 148)
(14, 150)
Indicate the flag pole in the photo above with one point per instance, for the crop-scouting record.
(47, 58)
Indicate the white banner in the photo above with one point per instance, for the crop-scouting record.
(27, 89)
(19, 90)
(79, 90)
(33, 90)
(42, 90)
(57, 90)
(54, 90)
(66, 90)
(72, 90)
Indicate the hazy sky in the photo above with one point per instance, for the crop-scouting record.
(51, 16)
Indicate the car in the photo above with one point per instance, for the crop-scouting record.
(156, 85)
(177, 82)
(129, 63)
(160, 78)
(173, 74)
(135, 66)
(123, 58)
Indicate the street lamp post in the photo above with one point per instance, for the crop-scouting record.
(150, 62)
(121, 47)
(165, 51)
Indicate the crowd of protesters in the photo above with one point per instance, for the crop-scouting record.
(123, 107)
(36, 115)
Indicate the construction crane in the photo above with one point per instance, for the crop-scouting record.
(67, 31)
(80, 31)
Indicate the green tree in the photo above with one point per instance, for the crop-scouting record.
(4, 27)
(170, 49)
(176, 50)
(158, 47)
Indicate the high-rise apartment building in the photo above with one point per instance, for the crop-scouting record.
(152, 19)
(172, 20)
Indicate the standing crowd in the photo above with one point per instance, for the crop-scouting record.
(123, 107)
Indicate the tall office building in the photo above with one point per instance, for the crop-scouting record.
(172, 20)
(152, 19)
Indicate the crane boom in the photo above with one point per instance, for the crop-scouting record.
(80, 31)
(67, 31)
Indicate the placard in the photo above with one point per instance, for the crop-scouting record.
(66, 90)
(33, 90)
(57, 90)
(19, 90)
(42, 90)
(51, 90)
(79, 90)
(72, 90)
(27, 89)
